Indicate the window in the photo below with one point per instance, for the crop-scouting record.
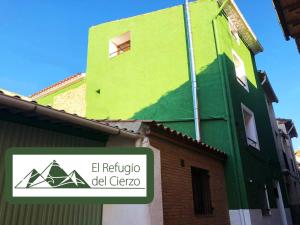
(120, 44)
(234, 31)
(201, 191)
(250, 127)
(240, 70)
(266, 209)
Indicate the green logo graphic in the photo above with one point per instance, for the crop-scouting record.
(53, 176)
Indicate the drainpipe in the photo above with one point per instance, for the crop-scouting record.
(192, 68)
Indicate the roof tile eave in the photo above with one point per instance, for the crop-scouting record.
(58, 85)
(208, 148)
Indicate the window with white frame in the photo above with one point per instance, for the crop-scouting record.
(234, 31)
(240, 71)
(250, 127)
(119, 44)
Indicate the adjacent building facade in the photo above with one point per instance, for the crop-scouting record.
(283, 132)
(142, 68)
(287, 131)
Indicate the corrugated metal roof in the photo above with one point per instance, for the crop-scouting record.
(101, 124)
(19, 104)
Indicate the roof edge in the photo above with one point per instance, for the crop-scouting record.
(244, 29)
(58, 85)
(267, 87)
(182, 138)
(16, 102)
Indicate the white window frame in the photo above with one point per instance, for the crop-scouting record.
(249, 139)
(242, 80)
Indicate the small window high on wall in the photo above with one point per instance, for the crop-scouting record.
(250, 127)
(240, 71)
(119, 44)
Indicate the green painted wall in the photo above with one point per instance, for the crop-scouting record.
(153, 73)
(151, 81)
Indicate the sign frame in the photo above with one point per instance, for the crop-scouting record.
(8, 188)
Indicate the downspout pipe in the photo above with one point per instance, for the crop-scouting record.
(192, 69)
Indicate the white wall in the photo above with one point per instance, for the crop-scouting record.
(255, 217)
(136, 214)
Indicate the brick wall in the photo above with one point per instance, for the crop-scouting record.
(177, 191)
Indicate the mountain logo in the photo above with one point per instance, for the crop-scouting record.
(53, 176)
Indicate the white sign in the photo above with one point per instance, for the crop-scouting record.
(71, 175)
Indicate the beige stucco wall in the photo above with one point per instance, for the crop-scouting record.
(72, 101)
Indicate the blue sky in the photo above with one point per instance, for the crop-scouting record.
(42, 42)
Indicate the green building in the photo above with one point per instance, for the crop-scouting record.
(141, 68)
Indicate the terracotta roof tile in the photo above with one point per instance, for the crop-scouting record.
(60, 84)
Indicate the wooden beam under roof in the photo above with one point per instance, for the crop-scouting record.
(289, 15)
(296, 34)
(294, 22)
(292, 6)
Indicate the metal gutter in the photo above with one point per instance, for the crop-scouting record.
(192, 68)
(33, 107)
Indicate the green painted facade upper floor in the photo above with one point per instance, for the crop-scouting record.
(138, 68)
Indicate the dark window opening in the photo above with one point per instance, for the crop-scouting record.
(123, 47)
(201, 192)
(119, 44)
(285, 161)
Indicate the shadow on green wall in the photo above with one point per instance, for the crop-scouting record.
(175, 108)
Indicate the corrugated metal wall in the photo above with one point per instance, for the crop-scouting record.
(16, 135)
